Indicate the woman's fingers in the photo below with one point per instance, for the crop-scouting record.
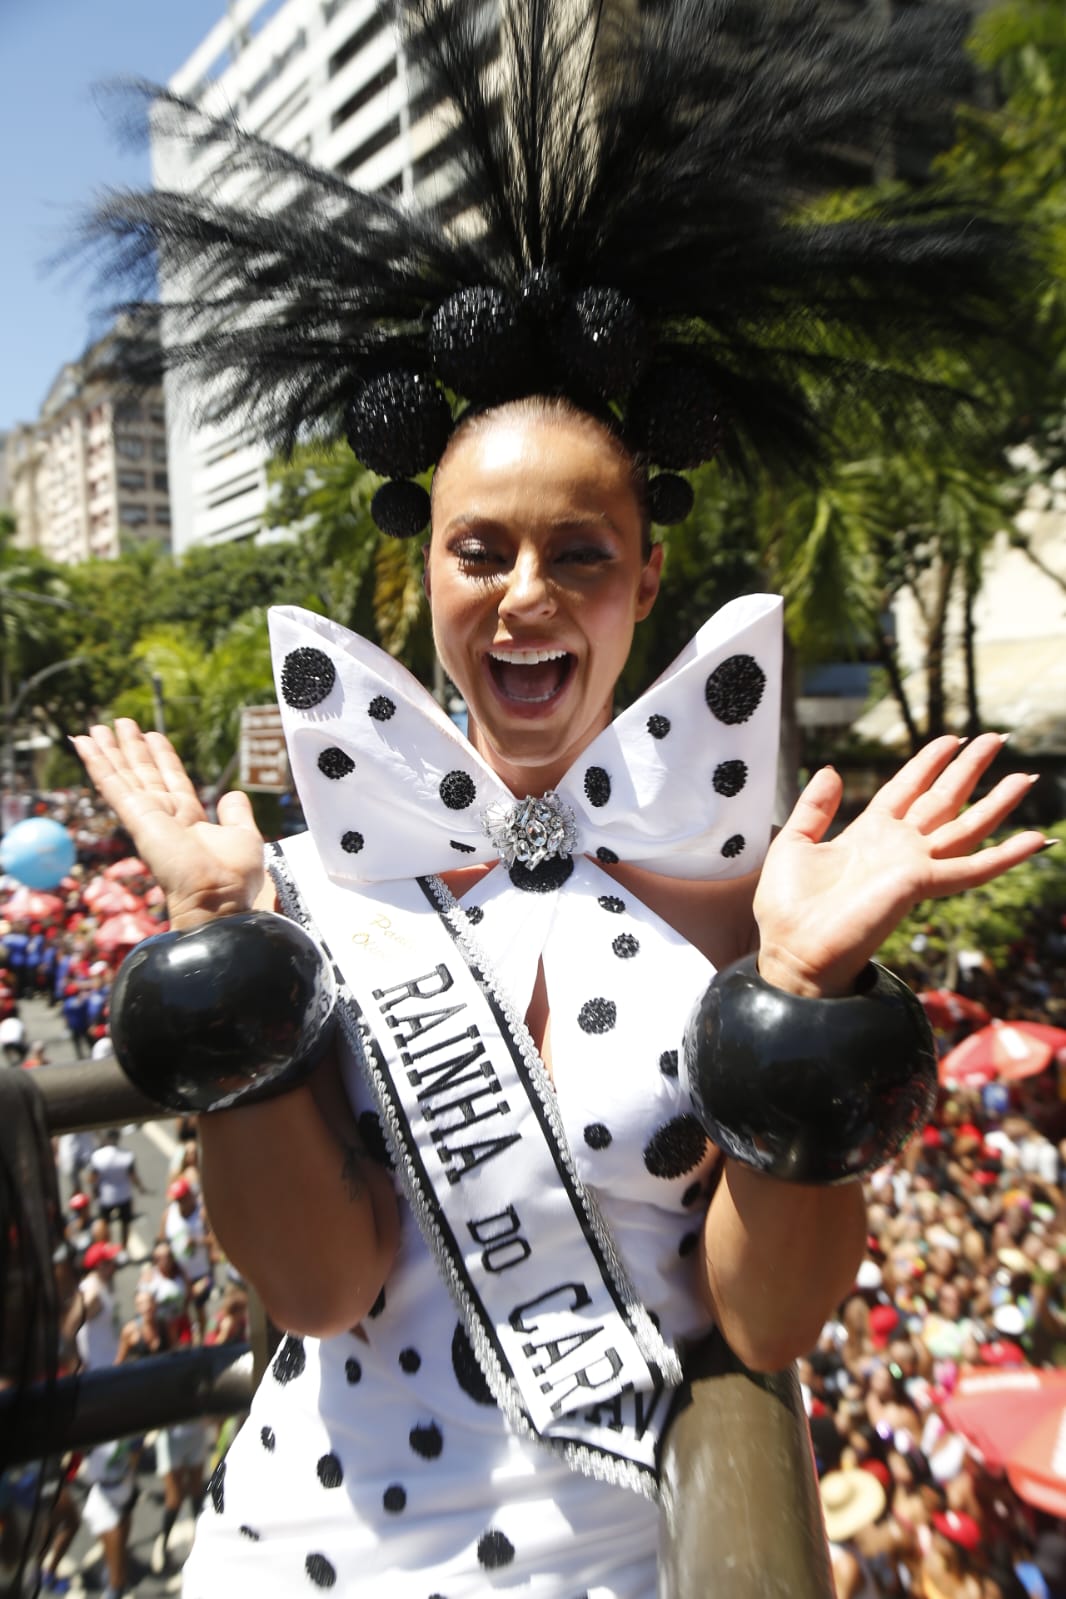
(969, 830)
(138, 756)
(816, 807)
(946, 796)
(963, 872)
(175, 778)
(916, 777)
(235, 810)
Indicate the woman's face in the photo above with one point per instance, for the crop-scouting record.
(536, 577)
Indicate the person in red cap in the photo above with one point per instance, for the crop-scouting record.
(97, 1337)
(953, 1563)
(184, 1227)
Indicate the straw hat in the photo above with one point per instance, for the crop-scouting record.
(851, 1500)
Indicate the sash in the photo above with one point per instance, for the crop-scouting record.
(569, 1353)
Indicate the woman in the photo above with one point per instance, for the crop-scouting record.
(538, 570)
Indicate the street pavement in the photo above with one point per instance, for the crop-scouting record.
(154, 1146)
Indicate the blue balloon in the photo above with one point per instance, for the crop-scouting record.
(39, 852)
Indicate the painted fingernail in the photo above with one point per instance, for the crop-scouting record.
(1049, 843)
(1033, 777)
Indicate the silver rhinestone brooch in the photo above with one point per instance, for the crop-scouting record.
(531, 830)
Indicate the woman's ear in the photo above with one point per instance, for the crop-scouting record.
(650, 578)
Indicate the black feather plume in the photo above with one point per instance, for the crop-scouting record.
(657, 166)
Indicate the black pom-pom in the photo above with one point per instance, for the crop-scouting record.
(320, 1571)
(673, 416)
(217, 1487)
(481, 344)
(597, 1135)
(604, 342)
(333, 763)
(494, 1550)
(729, 778)
(611, 902)
(401, 509)
(668, 1062)
(381, 708)
(290, 1359)
(307, 677)
(597, 1016)
(607, 856)
(426, 1440)
(398, 423)
(677, 1146)
(625, 946)
(658, 726)
(734, 689)
(733, 846)
(597, 786)
(543, 879)
(351, 842)
(457, 790)
(670, 499)
(543, 294)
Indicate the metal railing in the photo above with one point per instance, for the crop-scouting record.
(740, 1513)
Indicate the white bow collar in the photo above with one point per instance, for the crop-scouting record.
(682, 782)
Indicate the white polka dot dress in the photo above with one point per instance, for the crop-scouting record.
(378, 1462)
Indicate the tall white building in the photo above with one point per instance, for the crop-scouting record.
(326, 80)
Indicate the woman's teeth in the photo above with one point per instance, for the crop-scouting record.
(529, 677)
(526, 657)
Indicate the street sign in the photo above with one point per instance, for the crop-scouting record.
(264, 763)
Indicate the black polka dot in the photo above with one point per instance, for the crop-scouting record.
(729, 778)
(410, 1360)
(351, 843)
(217, 1487)
(320, 1571)
(330, 1471)
(427, 1440)
(494, 1550)
(381, 708)
(611, 902)
(597, 1136)
(462, 849)
(474, 914)
(597, 786)
(597, 1016)
(267, 1439)
(373, 1136)
(353, 1371)
(658, 726)
(334, 763)
(733, 846)
(735, 688)
(379, 1304)
(468, 1373)
(306, 678)
(250, 1532)
(290, 1359)
(607, 856)
(394, 1498)
(691, 1195)
(676, 1147)
(625, 946)
(543, 879)
(688, 1244)
(668, 1062)
(457, 791)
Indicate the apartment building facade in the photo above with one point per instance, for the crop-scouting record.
(91, 472)
(326, 80)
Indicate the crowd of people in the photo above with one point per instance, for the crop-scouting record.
(965, 1270)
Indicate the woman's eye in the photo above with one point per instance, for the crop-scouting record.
(584, 555)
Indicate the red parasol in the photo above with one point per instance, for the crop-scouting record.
(998, 1411)
(944, 1008)
(1036, 1469)
(111, 899)
(124, 931)
(130, 867)
(1054, 1037)
(1000, 1052)
(30, 904)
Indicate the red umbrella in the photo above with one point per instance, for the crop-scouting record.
(123, 932)
(999, 1410)
(111, 899)
(1036, 1469)
(944, 1008)
(1000, 1052)
(29, 904)
(130, 867)
(1054, 1037)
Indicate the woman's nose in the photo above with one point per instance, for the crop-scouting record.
(528, 590)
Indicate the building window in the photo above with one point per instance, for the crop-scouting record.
(162, 516)
(358, 41)
(126, 444)
(363, 96)
(127, 411)
(133, 515)
(157, 417)
(134, 481)
(159, 451)
(370, 147)
(159, 482)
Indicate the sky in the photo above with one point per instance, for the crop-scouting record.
(56, 152)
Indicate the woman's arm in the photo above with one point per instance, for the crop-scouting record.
(779, 1257)
(298, 1209)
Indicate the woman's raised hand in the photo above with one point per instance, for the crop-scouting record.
(825, 906)
(205, 869)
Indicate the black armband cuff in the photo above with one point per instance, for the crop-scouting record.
(235, 1011)
(811, 1091)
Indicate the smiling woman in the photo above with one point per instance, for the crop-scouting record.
(491, 1220)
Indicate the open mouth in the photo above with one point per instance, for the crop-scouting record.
(530, 677)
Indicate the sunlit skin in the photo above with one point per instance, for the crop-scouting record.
(537, 545)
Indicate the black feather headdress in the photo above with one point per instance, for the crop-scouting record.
(631, 225)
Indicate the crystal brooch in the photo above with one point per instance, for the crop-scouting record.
(531, 830)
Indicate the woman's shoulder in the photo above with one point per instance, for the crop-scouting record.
(716, 917)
